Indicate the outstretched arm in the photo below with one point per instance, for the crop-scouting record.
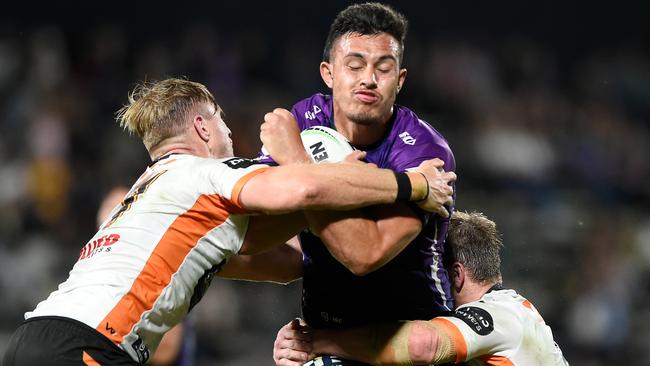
(343, 186)
(340, 186)
(282, 264)
(267, 231)
(409, 343)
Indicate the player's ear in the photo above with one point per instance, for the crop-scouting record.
(457, 275)
(326, 73)
(201, 127)
(400, 81)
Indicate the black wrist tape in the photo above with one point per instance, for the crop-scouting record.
(404, 188)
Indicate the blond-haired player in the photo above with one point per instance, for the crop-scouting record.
(153, 258)
(490, 326)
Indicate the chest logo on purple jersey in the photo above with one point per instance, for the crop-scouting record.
(311, 115)
(479, 320)
(407, 138)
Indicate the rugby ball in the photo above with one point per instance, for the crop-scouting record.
(325, 145)
(330, 361)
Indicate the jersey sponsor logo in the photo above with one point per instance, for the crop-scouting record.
(240, 163)
(204, 282)
(311, 115)
(102, 244)
(479, 320)
(327, 318)
(110, 329)
(141, 350)
(407, 138)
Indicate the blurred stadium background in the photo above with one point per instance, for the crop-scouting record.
(546, 105)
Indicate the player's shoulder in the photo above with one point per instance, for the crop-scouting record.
(416, 134)
(315, 99)
(200, 163)
(211, 166)
(500, 302)
(314, 110)
(222, 175)
(496, 310)
(410, 122)
(236, 163)
(502, 296)
(179, 164)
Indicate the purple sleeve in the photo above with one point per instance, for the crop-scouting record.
(313, 111)
(422, 144)
(298, 111)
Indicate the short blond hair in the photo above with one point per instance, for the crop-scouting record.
(159, 110)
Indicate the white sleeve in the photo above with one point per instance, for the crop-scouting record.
(479, 329)
(231, 175)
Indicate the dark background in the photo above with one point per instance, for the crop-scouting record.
(545, 104)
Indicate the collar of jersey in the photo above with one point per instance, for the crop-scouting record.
(161, 159)
(496, 287)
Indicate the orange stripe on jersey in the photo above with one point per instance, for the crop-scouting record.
(88, 360)
(456, 337)
(530, 306)
(236, 191)
(165, 162)
(492, 360)
(208, 212)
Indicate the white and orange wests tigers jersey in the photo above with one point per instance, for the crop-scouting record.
(154, 257)
(502, 328)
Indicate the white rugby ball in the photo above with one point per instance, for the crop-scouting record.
(325, 145)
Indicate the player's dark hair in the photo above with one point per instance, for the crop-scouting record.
(474, 241)
(367, 19)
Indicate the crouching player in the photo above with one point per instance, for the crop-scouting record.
(490, 326)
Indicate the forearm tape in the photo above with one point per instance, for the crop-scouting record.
(411, 186)
(393, 350)
(404, 188)
(445, 351)
(396, 350)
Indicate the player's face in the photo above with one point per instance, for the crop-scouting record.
(221, 143)
(365, 76)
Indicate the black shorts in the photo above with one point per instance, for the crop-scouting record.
(61, 341)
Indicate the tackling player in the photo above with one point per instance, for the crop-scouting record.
(490, 326)
(154, 257)
(176, 347)
(391, 249)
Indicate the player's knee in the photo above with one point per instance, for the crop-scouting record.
(422, 343)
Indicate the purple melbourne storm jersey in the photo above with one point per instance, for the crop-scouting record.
(414, 285)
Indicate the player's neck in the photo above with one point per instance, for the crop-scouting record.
(471, 291)
(173, 148)
(360, 134)
(181, 144)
